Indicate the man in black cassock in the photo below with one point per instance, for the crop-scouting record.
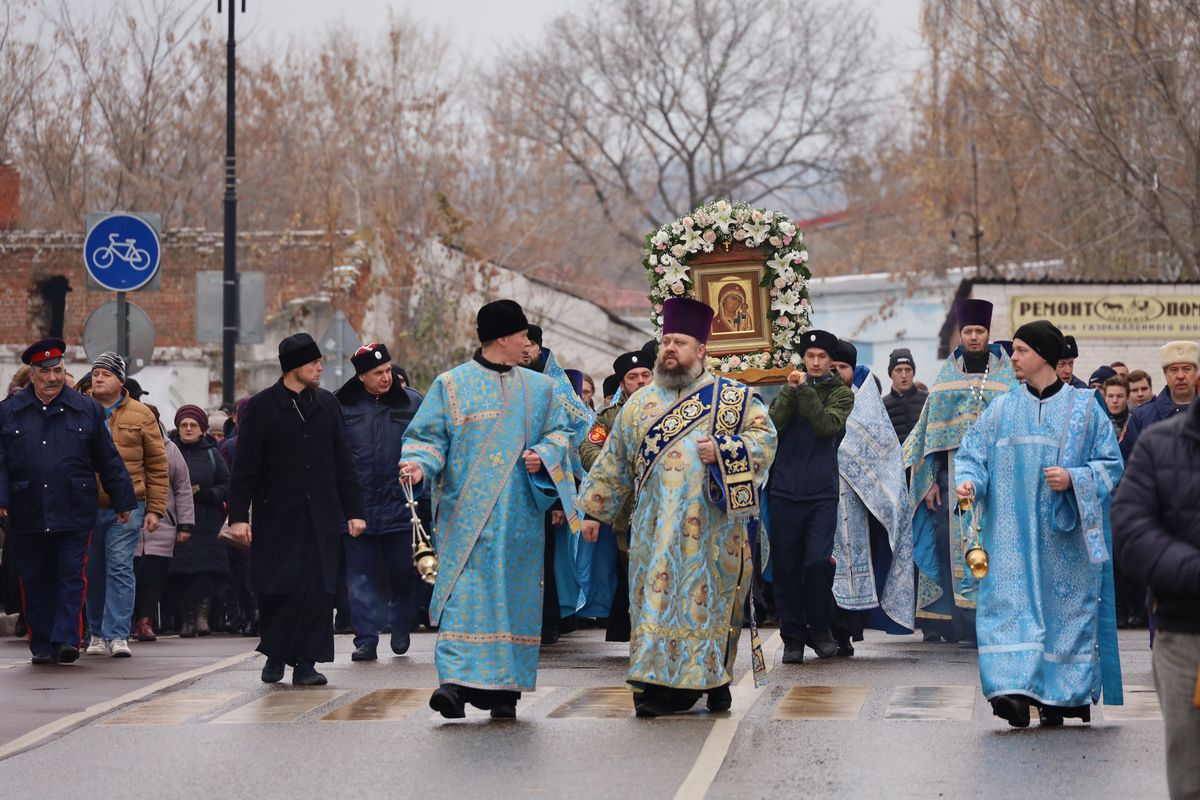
(295, 468)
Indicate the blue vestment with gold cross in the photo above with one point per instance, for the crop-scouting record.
(468, 437)
(689, 559)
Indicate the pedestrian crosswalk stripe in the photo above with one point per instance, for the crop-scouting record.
(1141, 705)
(380, 705)
(173, 709)
(597, 702)
(943, 703)
(822, 702)
(280, 706)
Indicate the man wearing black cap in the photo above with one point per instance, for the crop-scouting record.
(905, 401)
(493, 445)
(976, 373)
(538, 358)
(377, 411)
(1065, 368)
(810, 415)
(633, 371)
(53, 446)
(295, 467)
(1039, 467)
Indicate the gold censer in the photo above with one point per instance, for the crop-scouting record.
(976, 557)
(425, 558)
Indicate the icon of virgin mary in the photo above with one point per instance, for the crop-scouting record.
(733, 311)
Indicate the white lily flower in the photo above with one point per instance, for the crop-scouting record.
(693, 240)
(757, 232)
(675, 273)
(723, 218)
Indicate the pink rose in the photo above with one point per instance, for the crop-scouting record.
(739, 234)
(658, 308)
(780, 283)
(660, 269)
(756, 216)
(661, 245)
(735, 362)
(677, 288)
(775, 241)
(774, 293)
(710, 236)
(688, 222)
(784, 321)
(787, 240)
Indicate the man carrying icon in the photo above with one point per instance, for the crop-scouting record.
(1039, 467)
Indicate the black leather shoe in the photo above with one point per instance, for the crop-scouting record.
(304, 674)
(823, 643)
(650, 708)
(504, 711)
(1052, 716)
(43, 658)
(272, 671)
(719, 699)
(400, 642)
(793, 655)
(550, 635)
(364, 652)
(67, 654)
(1012, 707)
(449, 701)
(845, 649)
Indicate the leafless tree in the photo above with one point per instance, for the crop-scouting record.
(663, 104)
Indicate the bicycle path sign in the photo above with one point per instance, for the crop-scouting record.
(121, 252)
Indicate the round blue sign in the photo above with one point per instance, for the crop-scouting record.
(121, 252)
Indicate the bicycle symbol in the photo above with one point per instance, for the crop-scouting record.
(126, 251)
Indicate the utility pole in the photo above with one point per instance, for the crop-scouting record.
(230, 309)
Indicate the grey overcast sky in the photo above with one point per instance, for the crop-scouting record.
(479, 27)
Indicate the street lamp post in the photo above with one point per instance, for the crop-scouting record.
(976, 236)
(229, 297)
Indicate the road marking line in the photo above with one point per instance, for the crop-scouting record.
(172, 709)
(822, 702)
(380, 705)
(943, 703)
(1141, 705)
(716, 746)
(37, 736)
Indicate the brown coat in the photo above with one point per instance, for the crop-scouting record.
(139, 441)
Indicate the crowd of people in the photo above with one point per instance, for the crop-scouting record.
(1008, 506)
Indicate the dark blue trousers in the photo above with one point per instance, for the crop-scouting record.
(802, 569)
(51, 566)
(364, 556)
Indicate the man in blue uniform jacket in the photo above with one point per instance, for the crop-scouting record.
(53, 444)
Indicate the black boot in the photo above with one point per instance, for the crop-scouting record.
(822, 642)
(400, 642)
(719, 699)
(449, 701)
(305, 674)
(1012, 707)
(1053, 716)
(364, 652)
(272, 671)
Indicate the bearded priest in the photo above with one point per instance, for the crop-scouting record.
(1043, 460)
(692, 450)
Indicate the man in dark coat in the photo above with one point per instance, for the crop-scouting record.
(377, 410)
(1065, 368)
(1180, 366)
(294, 465)
(1156, 539)
(53, 444)
(905, 401)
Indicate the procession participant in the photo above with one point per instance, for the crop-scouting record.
(377, 411)
(294, 465)
(634, 371)
(1130, 595)
(905, 400)
(1097, 379)
(691, 451)
(1179, 361)
(492, 444)
(1116, 403)
(111, 583)
(873, 546)
(53, 446)
(810, 417)
(1141, 389)
(611, 384)
(1065, 368)
(1120, 368)
(975, 374)
(1156, 529)
(558, 603)
(1047, 632)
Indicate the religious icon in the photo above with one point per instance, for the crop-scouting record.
(739, 303)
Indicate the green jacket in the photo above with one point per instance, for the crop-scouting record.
(825, 405)
(589, 451)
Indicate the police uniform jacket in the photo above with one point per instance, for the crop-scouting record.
(50, 457)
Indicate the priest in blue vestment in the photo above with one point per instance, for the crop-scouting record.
(1040, 466)
(492, 446)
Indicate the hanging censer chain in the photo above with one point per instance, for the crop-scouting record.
(977, 391)
(974, 554)
(424, 556)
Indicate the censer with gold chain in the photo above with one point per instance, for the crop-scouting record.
(424, 556)
(975, 556)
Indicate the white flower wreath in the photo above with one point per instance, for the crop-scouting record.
(671, 247)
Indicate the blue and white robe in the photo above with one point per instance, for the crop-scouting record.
(468, 437)
(1045, 616)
